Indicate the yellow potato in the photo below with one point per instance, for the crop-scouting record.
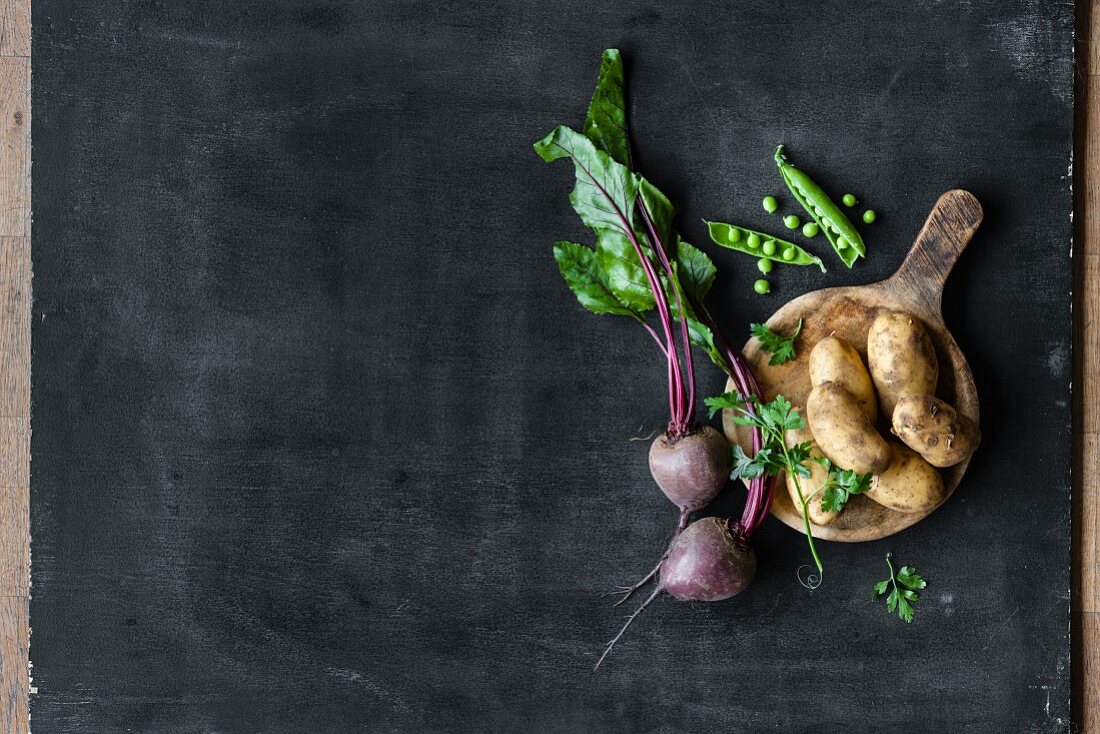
(843, 432)
(835, 360)
(901, 357)
(935, 430)
(910, 484)
(818, 476)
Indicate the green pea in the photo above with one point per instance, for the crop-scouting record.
(770, 204)
(831, 218)
(810, 229)
(762, 286)
(749, 242)
(764, 265)
(869, 216)
(791, 221)
(841, 243)
(849, 200)
(788, 254)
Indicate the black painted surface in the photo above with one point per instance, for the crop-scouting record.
(322, 443)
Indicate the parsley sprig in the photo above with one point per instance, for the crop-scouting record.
(842, 484)
(906, 582)
(781, 347)
(773, 419)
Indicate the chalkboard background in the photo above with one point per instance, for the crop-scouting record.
(322, 443)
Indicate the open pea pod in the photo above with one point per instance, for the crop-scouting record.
(844, 237)
(753, 243)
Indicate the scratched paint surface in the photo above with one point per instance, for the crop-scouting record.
(322, 444)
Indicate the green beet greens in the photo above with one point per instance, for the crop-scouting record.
(640, 265)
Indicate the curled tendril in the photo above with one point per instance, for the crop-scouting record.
(811, 581)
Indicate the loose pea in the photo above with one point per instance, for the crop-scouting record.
(734, 235)
(769, 247)
(770, 204)
(810, 229)
(841, 243)
(849, 200)
(791, 221)
(753, 240)
(788, 254)
(762, 286)
(764, 265)
(869, 216)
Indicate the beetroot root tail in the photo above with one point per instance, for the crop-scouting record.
(628, 591)
(629, 621)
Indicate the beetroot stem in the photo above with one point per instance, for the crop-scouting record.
(662, 256)
(761, 490)
(676, 387)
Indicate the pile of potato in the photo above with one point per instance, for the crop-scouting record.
(842, 412)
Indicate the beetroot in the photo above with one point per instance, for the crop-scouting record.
(706, 562)
(691, 470)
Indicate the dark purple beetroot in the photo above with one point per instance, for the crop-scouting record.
(706, 563)
(692, 469)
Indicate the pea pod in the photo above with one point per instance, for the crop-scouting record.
(752, 243)
(833, 222)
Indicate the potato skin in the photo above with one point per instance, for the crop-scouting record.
(910, 484)
(901, 357)
(843, 432)
(935, 430)
(835, 360)
(818, 476)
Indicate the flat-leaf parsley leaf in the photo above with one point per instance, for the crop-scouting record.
(903, 586)
(842, 484)
(781, 347)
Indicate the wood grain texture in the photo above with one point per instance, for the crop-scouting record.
(1086, 509)
(15, 28)
(15, 148)
(15, 355)
(14, 680)
(1088, 500)
(1087, 672)
(1088, 23)
(916, 289)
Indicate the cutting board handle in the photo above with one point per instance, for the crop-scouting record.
(945, 234)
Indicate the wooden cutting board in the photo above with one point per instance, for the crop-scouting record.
(915, 288)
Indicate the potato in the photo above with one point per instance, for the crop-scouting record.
(935, 430)
(843, 432)
(835, 360)
(818, 476)
(910, 484)
(901, 357)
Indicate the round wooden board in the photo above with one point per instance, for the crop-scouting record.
(916, 289)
